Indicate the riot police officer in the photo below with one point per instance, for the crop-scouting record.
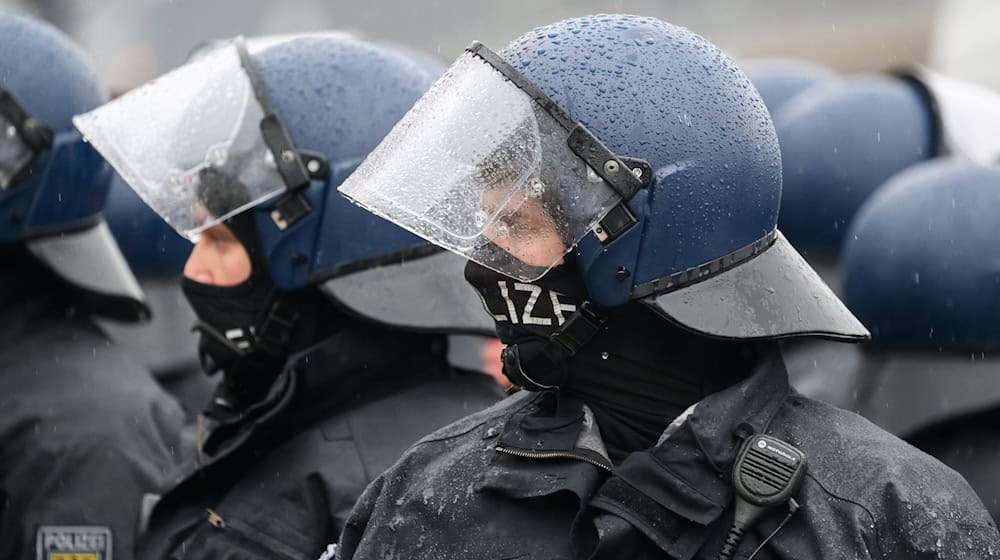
(840, 143)
(920, 271)
(617, 201)
(327, 325)
(85, 430)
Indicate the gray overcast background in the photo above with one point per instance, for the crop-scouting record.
(135, 40)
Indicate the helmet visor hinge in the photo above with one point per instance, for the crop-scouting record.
(625, 175)
(289, 209)
(616, 222)
(296, 167)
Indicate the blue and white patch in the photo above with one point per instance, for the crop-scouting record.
(92, 542)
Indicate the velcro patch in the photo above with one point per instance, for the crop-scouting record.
(91, 542)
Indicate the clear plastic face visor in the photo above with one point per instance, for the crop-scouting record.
(482, 169)
(189, 143)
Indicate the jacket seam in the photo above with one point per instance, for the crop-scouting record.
(686, 482)
(357, 449)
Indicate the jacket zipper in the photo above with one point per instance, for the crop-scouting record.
(530, 454)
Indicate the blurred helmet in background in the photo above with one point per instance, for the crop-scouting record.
(778, 80)
(53, 185)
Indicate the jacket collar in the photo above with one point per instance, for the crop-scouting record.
(673, 493)
(721, 421)
(349, 367)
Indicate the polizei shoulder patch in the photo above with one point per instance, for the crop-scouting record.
(91, 542)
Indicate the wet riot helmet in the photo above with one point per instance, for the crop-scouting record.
(842, 140)
(922, 271)
(921, 261)
(267, 130)
(631, 144)
(53, 185)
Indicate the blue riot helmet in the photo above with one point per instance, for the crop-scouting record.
(839, 142)
(632, 146)
(918, 262)
(921, 271)
(843, 140)
(52, 183)
(262, 135)
(778, 80)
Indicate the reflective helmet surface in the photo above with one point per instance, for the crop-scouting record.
(336, 97)
(652, 90)
(340, 97)
(921, 261)
(691, 231)
(55, 206)
(840, 142)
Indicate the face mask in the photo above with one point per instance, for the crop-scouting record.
(526, 316)
(636, 374)
(229, 319)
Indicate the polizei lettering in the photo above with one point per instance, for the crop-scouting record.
(529, 304)
(80, 541)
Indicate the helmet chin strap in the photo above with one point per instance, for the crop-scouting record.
(270, 334)
(540, 366)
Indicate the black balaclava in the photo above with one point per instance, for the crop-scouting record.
(273, 322)
(637, 374)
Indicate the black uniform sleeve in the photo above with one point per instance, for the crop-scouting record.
(66, 497)
(361, 516)
(941, 519)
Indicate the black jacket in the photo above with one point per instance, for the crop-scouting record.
(528, 479)
(970, 444)
(946, 404)
(85, 432)
(279, 481)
